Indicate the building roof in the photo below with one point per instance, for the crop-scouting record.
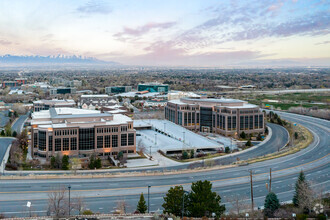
(55, 101)
(95, 96)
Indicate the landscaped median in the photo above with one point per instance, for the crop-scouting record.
(300, 138)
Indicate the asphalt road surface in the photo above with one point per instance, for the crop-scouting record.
(101, 195)
(18, 125)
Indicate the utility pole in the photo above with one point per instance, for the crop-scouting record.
(251, 183)
(69, 187)
(270, 179)
(149, 199)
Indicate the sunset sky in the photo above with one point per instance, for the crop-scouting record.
(171, 32)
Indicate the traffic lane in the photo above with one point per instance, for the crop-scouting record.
(4, 144)
(17, 126)
(99, 188)
(283, 187)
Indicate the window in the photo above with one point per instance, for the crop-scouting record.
(50, 143)
(256, 121)
(65, 144)
(86, 138)
(251, 122)
(261, 121)
(246, 122)
(131, 139)
(35, 139)
(241, 122)
(234, 122)
(107, 141)
(229, 123)
(123, 128)
(99, 141)
(123, 140)
(58, 144)
(74, 143)
(114, 140)
(42, 140)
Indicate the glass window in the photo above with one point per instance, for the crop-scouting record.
(74, 143)
(123, 140)
(50, 143)
(114, 140)
(65, 144)
(131, 139)
(99, 141)
(86, 138)
(107, 141)
(58, 144)
(42, 140)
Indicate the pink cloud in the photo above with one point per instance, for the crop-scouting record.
(141, 30)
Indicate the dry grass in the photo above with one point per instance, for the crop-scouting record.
(304, 139)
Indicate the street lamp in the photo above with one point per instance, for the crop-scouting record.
(149, 199)
(246, 215)
(184, 192)
(155, 139)
(69, 187)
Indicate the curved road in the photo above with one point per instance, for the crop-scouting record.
(101, 195)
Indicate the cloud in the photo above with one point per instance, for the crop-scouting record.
(94, 7)
(141, 30)
(165, 53)
(5, 42)
(324, 42)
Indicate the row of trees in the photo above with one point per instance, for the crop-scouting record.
(200, 201)
(303, 201)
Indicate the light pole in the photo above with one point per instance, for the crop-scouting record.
(69, 187)
(155, 139)
(184, 192)
(251, 183)
(164, 127)
(184, 138)
(150, 152)
(149, 199)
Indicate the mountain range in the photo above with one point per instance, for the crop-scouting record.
(10, 60)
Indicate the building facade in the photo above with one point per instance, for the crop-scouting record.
(62, 91)
(96, 101)
(79, 132)
(54, 103)
(154, 87)
(228, 117)
(117, 89)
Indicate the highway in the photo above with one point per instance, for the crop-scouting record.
(101, 195)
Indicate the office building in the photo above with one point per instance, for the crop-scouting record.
(228, 117)
(54, 103)
(96, 101)
(117, 89)
(154, 87)
(62, 91)
(80, 132)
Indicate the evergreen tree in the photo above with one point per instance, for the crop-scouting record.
(52, 162)
(173, 201)
(192, 154)
(184, 155)
(243, 135)
(91, 164)
(301, 180)
(65, 162)
(98, 163)
(271, 204)
(204, 202)
(141, 206)
(248, 143)
(14, 133)
(227, 150)
(3, 133)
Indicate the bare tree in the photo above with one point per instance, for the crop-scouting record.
(237, 203)
(58, 202)
(306, 197)
(121, 207)
(78, 204)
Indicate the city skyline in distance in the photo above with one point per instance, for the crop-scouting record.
(171, 33)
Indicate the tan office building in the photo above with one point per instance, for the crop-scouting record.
(228, 117)
(80, 132)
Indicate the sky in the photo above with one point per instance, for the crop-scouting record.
(203, 33)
